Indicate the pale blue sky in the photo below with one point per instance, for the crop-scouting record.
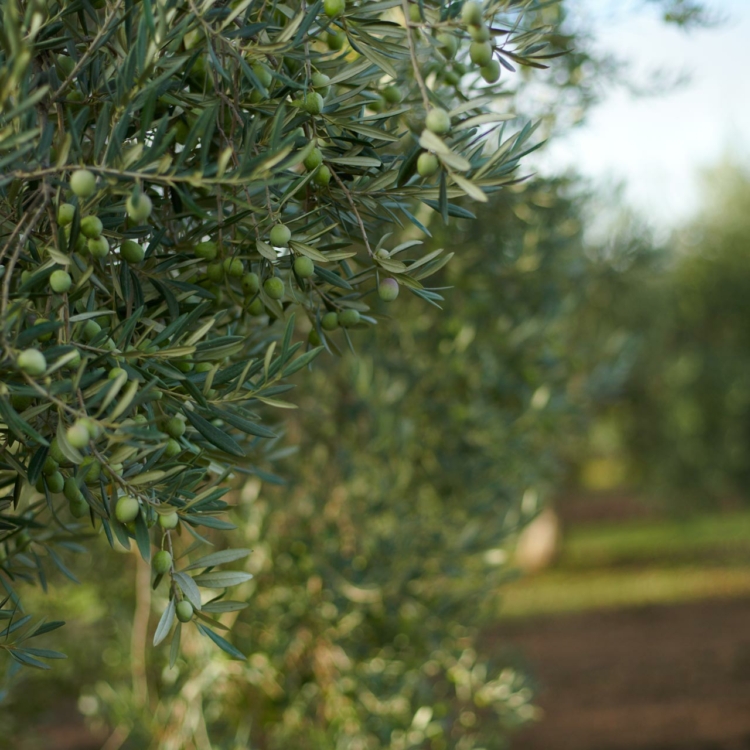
(657, 146)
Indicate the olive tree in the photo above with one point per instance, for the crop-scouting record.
(194, 204)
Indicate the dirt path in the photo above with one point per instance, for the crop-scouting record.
(656, 678)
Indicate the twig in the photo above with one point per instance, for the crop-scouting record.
(354, 208)
(414, 61)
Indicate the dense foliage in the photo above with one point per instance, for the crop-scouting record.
(681, 414)
(177, 179)
(381, 564)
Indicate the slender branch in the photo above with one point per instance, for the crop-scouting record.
(354, 208)
(413, 54)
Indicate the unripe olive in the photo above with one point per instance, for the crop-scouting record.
(169, 520)
(83, 183)
(322, 176)
(263, 74)
(60, 281)
(127, 509)
(132, 252)
(79, 507)
(174, 427)
(329, 322)
(56, 453)
(438, 121)
(377, 104)
(75, 361)
(172, 449)
(203, 367)
(98, 247)
(43, 336)
(479, 33)
(250, 283)
(183, 365)
(314, 338)
(335, 41)
(392, 94)
(55, 482)
(382, 253)
(313, 103)
(256, 307)
(333, 8)
(77, 435)
(304, 267)
(348, 318)
(451, 77)
(215, 271)
(184, 611)
(274, 287)
(206, 250)
(471, 13)
(65, 214)
(71, 490)
(90, 330)
(480, 53)
(415, 15)
(31, 361)
(388, 290)
(491, 72)
(427, 164)
(20, 403)
(162, 562)
(234, 267)
(280, 235)
(50, 466)
(91, 226)
(448, 45)
(115, 372)
(64, 65)
(313, 160)
(90, 470)
(321, 82)
(138, 207)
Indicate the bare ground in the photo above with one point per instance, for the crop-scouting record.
(654, 678)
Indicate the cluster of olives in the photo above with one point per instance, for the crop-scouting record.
(480, 53)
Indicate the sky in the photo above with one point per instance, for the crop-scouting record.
(657, 146)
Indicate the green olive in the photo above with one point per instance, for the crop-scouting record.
(274, 287)
(174, 427)
(388, 289)
(91, 227)
(83, 183)
(32, 362)
(280, 235)
(184, 611)
(304, 267)
(348, 318)
(127, 509)
(169, 520)
(438, 121)
(162, 562)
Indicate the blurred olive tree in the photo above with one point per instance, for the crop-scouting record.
(684, 409)
(378, 567)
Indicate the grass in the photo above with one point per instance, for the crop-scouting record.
(638, 564)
